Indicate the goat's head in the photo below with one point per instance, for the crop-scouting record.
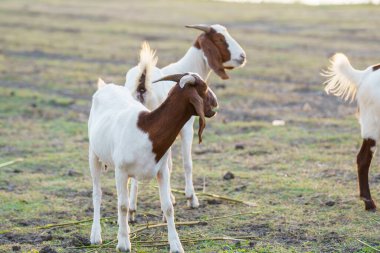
(220, 49)
(199, 96)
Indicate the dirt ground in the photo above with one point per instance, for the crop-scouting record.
(301, 176)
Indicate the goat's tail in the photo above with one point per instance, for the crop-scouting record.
(343, 80)
(148, 61)
(101, 83)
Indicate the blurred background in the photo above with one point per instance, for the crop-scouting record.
(301, 176)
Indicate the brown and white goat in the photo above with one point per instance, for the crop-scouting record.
(213, 50)
(364, 86)
(125, 135)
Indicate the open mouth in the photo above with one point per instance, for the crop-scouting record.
(211, 113)
(239, 63)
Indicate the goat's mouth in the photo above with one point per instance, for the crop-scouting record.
(235, 63)
(240, 62)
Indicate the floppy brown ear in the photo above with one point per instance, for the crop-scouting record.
(213, 56)
(197, 103)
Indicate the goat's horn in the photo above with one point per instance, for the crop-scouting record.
(205, 28)
(174, 78)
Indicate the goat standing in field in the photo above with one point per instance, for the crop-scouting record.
(364, 86)
(215, 50)
(125, 135)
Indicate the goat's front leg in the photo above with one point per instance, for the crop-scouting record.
(170, 166)
(134, 192)
(121, 178)
(163, 178)
(364, 159)
(95, 169)
(133, 200)
(187, 133)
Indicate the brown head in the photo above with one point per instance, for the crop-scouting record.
(219, 48)
(196, 93)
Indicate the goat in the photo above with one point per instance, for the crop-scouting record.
(125, 135)
(363, 85)
(215, 50)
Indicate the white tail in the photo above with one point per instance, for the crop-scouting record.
(148, 61)
(101, 83)
(343, 80)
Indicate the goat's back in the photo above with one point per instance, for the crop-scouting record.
(368, 97)
(113, 132)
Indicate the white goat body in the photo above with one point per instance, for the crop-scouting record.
(117, 140)
(124, 134)
(363, 85)
(114, 110)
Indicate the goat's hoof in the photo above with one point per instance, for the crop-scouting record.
(163, 218)
(370, 205)
(123, 247)
(193, 202)
(122, 250)
(176, 248)
(95, 238)
(96, 242)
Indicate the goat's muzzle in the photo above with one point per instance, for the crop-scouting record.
(210, 114)
(213, 103)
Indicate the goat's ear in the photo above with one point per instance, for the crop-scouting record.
(214, 58)
(197, 103)
(101, 83)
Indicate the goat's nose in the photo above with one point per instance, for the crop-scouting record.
(242, 56)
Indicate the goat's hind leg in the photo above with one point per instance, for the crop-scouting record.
(133, 200)
(170, 166)
(121, 178)
(95, 168)
(364, 159)
(187, 133)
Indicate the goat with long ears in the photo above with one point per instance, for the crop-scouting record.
(213, 50)
(125, 135)
(195, 100)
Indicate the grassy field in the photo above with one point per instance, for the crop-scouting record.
(302, 176)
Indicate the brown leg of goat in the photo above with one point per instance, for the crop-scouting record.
(364, 161)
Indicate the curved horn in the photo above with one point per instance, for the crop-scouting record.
(173, 78)
(205, 28)
(186, 79)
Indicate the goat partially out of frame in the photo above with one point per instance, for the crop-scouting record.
(364, 86)
(125, 135)
(214, 49)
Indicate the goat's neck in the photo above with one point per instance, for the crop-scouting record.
(192, 61)
(164, 124)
